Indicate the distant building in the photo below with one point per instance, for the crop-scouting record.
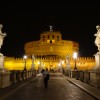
(51, 46)
(51, 52)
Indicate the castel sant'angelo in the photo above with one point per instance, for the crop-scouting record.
(51, 45)
(52, 52)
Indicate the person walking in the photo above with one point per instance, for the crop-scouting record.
(46, 77)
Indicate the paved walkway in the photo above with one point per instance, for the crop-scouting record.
(7, 91)
(86, 87)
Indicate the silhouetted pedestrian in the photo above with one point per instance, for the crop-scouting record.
(42, 71)
(46, 77)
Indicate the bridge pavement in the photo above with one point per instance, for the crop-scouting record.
(59, 88)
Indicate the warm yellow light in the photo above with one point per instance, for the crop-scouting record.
(58, 64)
(75, 55)
(53, 41)
(62, 62)
(48, 41)
(38, 62)
(25, 57)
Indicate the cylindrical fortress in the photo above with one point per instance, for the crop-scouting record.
(51, 44)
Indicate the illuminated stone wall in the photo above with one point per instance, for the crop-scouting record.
(51, 43)
(82, 63)
(17, 63)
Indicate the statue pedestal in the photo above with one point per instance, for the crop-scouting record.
(4, 74)
(95, 79)
(4, 79)
(2, 69)
(97, 61)
(68, 71)
(1, 62)
(95, 74)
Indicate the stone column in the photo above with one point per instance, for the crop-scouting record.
(97, 62)
(4, 74)
(81, 76)
(86, 76)
(68, 69)
(95, 79)
(27, 74)
(4, 79)
(24, 75)
(19, 76)
(15, 79)
(1, 62)
(73, 74)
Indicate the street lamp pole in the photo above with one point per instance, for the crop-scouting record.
(61, 62)
(25, 57)
(68, 65)
(68, 62)
(33, 58)
(75, 65)
(61, 67)
(75, 57)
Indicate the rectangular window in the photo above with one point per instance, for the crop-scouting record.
(57, 36)
(50, 41)
(57, 39)
(53, 41)
(43, 37)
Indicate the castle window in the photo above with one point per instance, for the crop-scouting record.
(57, 39)
(53, 41)
(57, 36)
(53, 36)
(50, 41)
(48, 36)
(43, 36)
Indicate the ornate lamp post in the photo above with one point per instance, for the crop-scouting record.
(68, 62)
(68, 65)
(61, 63)
(25, 57)
(33, 58)
(39, 66)
(75, 57)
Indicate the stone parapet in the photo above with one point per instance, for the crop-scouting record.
(86, 77)
(4, 79)
(95, 79)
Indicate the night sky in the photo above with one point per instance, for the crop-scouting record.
(24, 24)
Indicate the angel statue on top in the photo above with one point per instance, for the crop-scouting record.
(2, 35)
(97, 40)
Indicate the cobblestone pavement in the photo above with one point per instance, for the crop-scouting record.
(85, 86)
(58, 89)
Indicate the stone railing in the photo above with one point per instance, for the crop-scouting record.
(89, 77)
(10, 77)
